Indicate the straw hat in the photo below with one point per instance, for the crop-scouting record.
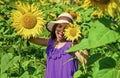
(62, 18)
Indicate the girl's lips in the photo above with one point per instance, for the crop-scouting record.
(60, 35)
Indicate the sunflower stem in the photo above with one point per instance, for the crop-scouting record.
(84, 68)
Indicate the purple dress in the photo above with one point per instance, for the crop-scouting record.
(59, 64)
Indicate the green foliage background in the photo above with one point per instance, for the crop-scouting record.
(100, 36)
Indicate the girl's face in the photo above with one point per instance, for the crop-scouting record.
(59, 32)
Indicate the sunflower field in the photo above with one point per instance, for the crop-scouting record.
(97, 20)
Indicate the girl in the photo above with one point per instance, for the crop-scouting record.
(59, 64)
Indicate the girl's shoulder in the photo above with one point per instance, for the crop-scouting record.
(51, 41)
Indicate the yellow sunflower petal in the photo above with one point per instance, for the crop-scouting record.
(114, 5)
(111, 10)
(2, 3)
(118, 9)
(20, 7)
(86, 4)
(106, 6)
(27, 20)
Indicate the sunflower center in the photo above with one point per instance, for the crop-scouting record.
(29, 21)
(102, 1)
(73, 32)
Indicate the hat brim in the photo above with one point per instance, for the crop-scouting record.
(52, 23)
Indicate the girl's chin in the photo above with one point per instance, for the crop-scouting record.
(60, 39)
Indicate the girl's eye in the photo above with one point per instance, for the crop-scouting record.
(59, 26)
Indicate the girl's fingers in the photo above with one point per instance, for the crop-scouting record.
(80, 57)
(85, 53)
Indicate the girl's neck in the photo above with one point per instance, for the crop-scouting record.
(60, 41)
(59, 44)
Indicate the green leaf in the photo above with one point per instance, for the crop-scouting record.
(7, 0)
(95, 67)
(85, 14)
(77, 8)
(4, 61)
(100, 35)
(25, 64)
(107, 62)
(69, 60)
(13, 61)
(25, 75)
(3, 75)
(8, 61)
(31, 69)
(93, 58)
(116, 74)
(77, 74)
(2, 30)
(107, 73)
(32, 76)
(82, 45)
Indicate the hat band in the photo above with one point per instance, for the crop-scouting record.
(65, 18)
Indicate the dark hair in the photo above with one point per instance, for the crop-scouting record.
(53, 35)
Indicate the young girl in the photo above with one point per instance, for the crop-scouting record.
(59, 64)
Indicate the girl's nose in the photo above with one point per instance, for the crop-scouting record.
(61, 30)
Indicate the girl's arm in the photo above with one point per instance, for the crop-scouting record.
(39, 41)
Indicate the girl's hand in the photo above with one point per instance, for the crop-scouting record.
(82, 56)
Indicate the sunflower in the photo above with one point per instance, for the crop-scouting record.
(110, 6)
(97, 14)
(43, 3)
(27, 20)
(54, 1)
(75, 15)
(78, 2)
(72, 32)
(66, 1)
(53, 15)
